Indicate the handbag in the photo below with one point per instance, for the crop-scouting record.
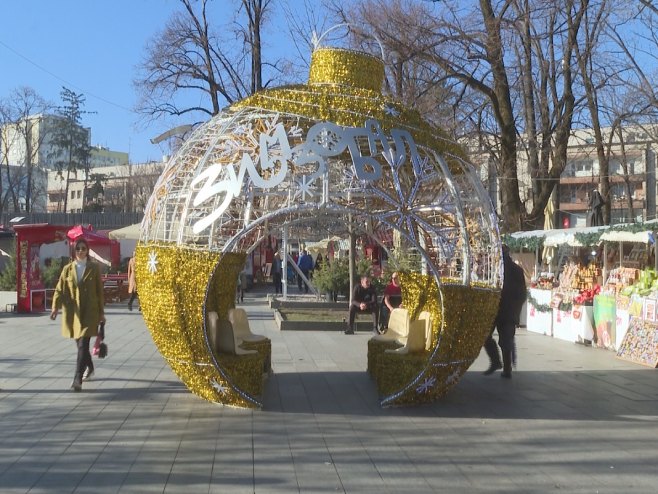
(100, 347)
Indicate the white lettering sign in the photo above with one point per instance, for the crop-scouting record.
(323, 140)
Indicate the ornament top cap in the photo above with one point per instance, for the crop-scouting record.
(346, 68)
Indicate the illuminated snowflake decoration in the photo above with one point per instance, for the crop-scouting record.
(219, 387)
(152, 263)
(427, 385)
(305, 187)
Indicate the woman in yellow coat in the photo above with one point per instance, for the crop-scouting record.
(132, 282)
(79, 292)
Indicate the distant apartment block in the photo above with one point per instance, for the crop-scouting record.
(581, 175)
(115, 184)
(123, 188)
(104, 157)
(39, 146)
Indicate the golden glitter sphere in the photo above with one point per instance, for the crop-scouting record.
(314, 161)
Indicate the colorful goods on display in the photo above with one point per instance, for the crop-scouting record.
(578, 285)
(316, 160)
(586, 296)
(545, 281)
(644, 283)
(619, 279)
(640, 344)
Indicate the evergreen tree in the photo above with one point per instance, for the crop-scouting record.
(70, 140)
(8, 274)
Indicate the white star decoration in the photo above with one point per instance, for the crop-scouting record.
(153, 262)
(219, 387)
(390, 110)
(427, 385)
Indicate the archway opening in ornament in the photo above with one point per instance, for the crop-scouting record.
(427, 261)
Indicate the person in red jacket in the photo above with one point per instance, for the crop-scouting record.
(392, 300)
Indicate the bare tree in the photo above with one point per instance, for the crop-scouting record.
(620, 92)
(306, 22)
(255, 11)
(142, 182)
(22, 140)
(189, 60)
(550, 35)
(6, 139)
(405, 30)
(510, 69)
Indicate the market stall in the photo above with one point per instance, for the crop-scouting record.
(630, 292)
(602, 288)
(561, 296)
(30, 290)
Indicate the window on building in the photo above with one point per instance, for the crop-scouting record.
(578, 168)
(73, 194)
(568, 194)
(618, 191)
(79, 194)
(615, 167)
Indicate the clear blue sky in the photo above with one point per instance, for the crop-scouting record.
(89, 46)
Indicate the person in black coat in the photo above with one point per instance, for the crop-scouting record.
(512, 297)
(277, 273)
(364, 299)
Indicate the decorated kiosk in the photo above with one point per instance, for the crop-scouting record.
(333, 157)
(37, 242)
(30, 290)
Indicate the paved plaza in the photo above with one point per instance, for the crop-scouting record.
(573, 419)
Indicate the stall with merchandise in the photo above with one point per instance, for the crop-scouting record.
(625, 312)
(599, 288)
(568, 295)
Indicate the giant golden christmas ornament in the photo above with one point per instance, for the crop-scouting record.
(307, 161)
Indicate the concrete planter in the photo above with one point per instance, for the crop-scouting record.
(283, 325)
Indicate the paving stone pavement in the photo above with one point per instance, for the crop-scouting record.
(572, 419)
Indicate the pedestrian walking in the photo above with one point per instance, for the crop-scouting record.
(512, 297)
(132, 282)
(277, 272)
(79, 294)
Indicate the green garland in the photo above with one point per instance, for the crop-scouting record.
(526, 243)
(564, 306)
(589, 239)
(585, 239)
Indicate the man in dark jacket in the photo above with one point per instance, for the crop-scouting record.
(364, 299)
(305, 264)
(512, 297)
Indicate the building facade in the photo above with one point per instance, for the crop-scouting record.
(631, 172)
(29, 143)
(124, 188)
